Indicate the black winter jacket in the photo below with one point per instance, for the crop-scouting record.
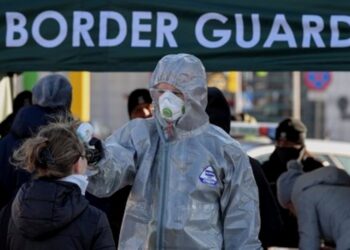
(271, 221)
(54, 215)
(27, 122)
(273, 168)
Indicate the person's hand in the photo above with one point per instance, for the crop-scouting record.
(94, 152)
(326, 248)
(327, 245)
(301, 155)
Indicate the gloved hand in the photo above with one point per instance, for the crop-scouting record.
(94, 151)
(93, 146)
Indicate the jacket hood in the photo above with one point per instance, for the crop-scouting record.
(323, 176)
(53, 91)
(218, 109)
(22, 99)
(29, 119)
(41, 207)
(186, 73)
(286, 181)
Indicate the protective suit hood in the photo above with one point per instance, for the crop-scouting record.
(186, 73)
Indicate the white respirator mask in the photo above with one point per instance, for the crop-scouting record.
(171, 107)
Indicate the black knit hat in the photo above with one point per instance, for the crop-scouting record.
(218, 109)
(292, 130)
(137, 97)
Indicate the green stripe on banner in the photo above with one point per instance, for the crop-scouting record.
(29, 80)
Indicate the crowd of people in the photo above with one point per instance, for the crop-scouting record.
(170, 178)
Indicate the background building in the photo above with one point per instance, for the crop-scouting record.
(267, 96)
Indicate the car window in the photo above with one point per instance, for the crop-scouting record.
(330, 153)
(345, 161)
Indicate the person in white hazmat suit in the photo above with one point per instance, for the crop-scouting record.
(192, 185)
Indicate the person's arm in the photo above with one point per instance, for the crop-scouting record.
(103, 239)
(240, 204)
(309, 235)
(118, 167)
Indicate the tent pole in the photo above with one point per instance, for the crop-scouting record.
(11, 80)
(296, 94)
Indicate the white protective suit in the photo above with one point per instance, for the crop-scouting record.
(192, 185)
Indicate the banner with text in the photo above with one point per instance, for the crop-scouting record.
(132, 35)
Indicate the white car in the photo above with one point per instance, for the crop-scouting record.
(257, 140)
(329, 152)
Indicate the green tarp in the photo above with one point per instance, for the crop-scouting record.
(132, 35)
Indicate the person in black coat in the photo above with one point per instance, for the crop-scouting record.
(290, 145)
(219, 114)
(27, 122)
(22, 99)
(51, 98)
(51, 212)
